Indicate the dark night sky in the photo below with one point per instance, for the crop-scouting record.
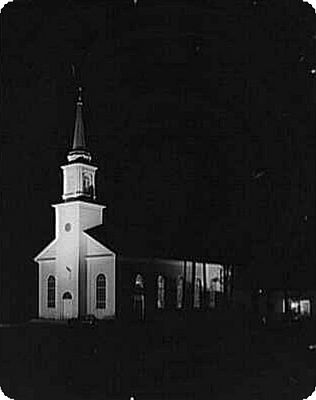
(199, 114)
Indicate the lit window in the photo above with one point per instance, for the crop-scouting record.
(294, 305)
(221, 280)
(213, 285)
(139, 298)
(305, 306)
(51, 292)
(300, 308)
(180, 283)
(197, 293)
(139, 281)
(161, 292)
(101, 291)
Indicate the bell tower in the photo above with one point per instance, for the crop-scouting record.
(79, 174)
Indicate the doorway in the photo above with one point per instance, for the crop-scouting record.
(67, 305)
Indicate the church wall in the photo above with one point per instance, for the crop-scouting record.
(149, 270)
(67, 263)
(95, 266)
(82, 281)
(90, 215)
(65, 213)
(170, 270)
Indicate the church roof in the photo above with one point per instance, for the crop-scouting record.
(221, 246)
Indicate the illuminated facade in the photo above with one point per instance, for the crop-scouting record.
(77, 273)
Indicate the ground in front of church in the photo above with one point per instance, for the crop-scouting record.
(188, 358)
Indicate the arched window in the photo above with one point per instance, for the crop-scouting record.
(180, 283)
(213, 286)
(221, 280)
(87, 184)
(101, 291)
(161, 292)
(51, 292)
(139, 298)
(197, 293)
(139, 282)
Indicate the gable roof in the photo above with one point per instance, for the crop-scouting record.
(95, 248)
(222, 245)
(49, 252)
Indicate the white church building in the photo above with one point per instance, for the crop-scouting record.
(77, 273)
(79, 276)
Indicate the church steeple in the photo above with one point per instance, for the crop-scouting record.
(72, 266)
(79, 149)
(79, 174)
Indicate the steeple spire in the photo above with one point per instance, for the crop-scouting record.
(79, 148)
(79, 139)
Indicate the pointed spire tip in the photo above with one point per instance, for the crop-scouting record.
(79, 148)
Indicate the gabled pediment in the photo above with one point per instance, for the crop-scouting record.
(95, 248)
(49, 252)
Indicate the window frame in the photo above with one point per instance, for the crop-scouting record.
(161, 292)
(101, 291)
(51, 291)
(180, 292)
(197, 300)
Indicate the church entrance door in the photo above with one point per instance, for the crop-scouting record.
(67, 305)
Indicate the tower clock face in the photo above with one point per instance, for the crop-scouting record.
(68, 227)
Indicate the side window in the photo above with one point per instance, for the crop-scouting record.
(180, 288)
(51, 292)
(161, 292)
(197, 293)
(213, 287)
(139, 298)
(305, 307)
(139, 282)
(221, 280)
(101, 291)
